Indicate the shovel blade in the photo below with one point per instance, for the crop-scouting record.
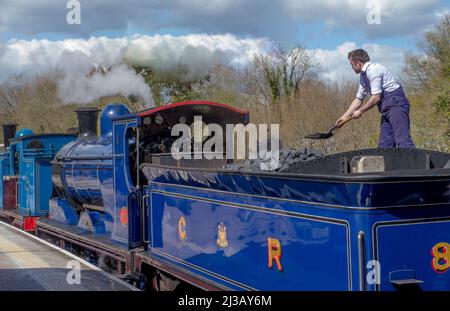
(319, 135)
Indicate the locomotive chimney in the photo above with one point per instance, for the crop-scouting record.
(87, 122)
(9, 130)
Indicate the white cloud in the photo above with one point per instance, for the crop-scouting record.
(337, 67)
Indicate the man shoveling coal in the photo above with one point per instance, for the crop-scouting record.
(386, 92)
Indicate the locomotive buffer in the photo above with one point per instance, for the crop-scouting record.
(29, 263)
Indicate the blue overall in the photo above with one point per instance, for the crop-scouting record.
(394, 109)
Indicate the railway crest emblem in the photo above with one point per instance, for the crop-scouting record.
(222, 236)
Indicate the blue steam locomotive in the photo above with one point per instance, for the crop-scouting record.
(25, 171)
(373, 219)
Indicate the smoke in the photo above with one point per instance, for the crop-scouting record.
(82, 82)
(80, 67)
(190, 57)
(81, 63)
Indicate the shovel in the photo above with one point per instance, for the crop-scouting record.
(330, 132)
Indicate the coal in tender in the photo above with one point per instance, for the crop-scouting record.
(288, 158)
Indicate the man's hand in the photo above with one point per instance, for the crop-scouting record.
(356, 114)
(356, 103)
(340, 120)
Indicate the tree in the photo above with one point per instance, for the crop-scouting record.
(171, 86)
(429, 71)
(278, 73)
(9, 96)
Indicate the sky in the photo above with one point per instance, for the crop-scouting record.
(35, 34)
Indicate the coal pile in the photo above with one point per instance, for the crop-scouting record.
(288, 158)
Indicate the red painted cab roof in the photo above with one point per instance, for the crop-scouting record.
(186, 103)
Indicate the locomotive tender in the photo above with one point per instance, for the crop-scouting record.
(374, 219)
(319, 226)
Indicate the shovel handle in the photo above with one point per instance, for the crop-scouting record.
(344, 121)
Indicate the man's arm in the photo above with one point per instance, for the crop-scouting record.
(376, 80)
(356, 103)
(373, 100)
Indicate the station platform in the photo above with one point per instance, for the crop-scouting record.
(28, 263)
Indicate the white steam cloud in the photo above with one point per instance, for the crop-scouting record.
(188, 57)
(82, 84)
(193, 55)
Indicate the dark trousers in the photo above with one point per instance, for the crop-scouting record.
(395, 125)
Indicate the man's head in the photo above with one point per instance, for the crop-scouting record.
(357, 59)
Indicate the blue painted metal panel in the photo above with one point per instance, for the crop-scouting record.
(137, 235)
(27, 183)
(110, 112)
(96, 172)
(329, 190)
(87, 175)
(4, 171)
(303, 241)
(409, 246)
(205, 201)
(60, 209)
(123, 185)
(32, 155)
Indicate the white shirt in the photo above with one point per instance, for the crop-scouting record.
(379, 78)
